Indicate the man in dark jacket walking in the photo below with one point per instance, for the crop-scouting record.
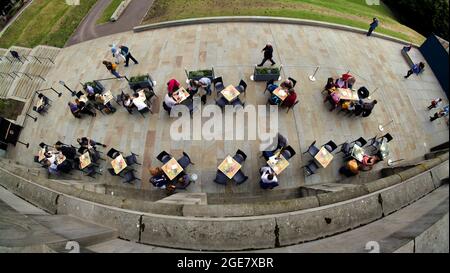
(373, 26)
(126, 52)
(268, 55)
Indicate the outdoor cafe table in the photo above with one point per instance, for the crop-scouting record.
(39, 103)
(180, 95)
(107, 97)
(348, 94)
(278, 163)
(230, 93)
(118, 164)
(172, 168)
(41, 154)
(229, 167)
(323, 157)
(281, 93)
(85, 160)
(357, 152)
(60, 158)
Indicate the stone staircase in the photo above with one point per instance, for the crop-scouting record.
(20, 86)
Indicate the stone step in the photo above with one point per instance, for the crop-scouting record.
(186, 198)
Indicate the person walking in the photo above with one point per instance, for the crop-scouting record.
(439, 114)
(125, 51)
(268, 54)
(112, 68)
(373, 26)
(116, 54)
(417, 68)
(434, 103)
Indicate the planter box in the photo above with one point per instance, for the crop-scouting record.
(141, 81)
(98, 86)
(198, 74)
(266, 73)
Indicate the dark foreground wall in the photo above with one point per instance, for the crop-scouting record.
(437, 58)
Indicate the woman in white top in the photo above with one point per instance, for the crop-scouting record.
(139, 103)
(268, 178)
(169, 101)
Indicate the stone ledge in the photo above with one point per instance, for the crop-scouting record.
(263, 19)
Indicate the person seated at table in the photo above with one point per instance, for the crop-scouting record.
(172, 86)
(193, 87)
(90, 92)
(282, 142)
(351, 168)
(51, 167)
(183, 182)
(290, 100)
(287, 84)
(68, 151)
(205, 83)
(65, 166)
(368, 161)
(139, 103)
(333, 98)
(330, 85)
(45, 102)
(128, 103)
(88, 143)
(274, 100)
(74, 109)
(358, 108)
(148, 92)
(169, 102)
(345, 81)
(85, 108)
(348, 106)
(268, 178)
(368, 107)
(100, 101)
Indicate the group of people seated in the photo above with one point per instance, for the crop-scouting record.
(88, 102)
(70, 154)
(352, 167)
(194, 86)
(160, 180)
(288, 86)
(269, 179)
(44, 102)
(135, 102)
(352, 107)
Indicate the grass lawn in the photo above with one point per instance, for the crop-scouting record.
(108, 12)
(45, 22)
(10, 109)
(355, 13)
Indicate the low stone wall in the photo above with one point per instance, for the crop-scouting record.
(240, 233)
(263, 19)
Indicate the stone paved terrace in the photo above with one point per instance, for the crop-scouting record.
(233, 49)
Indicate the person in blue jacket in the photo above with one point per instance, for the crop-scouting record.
(417, 68)
(373, 26)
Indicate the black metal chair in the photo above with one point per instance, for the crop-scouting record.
(270, 82)
(120, 98)
(331, 146)
(237, 101)
(288, 152)
(79, 94)
(91, 170)
(363, 92)
(240, 156)
(294, 82)
(240, 177)
(129, 176)
(113, 153)
(145, 110)
(221, 178)
(112, 172)
(36, 159)
(242, 87)
(132, 159)
(222, 102)
(218, 84)
(164, 157)
(43, 145)
(311, 168)
(361, 142)
(185, 160)
(312, 149)
(388, 137)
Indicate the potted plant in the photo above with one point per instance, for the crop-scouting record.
(98, 87)
(198, 74)
(141, 81)
(266, 73)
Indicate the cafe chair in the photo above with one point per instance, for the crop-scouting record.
(237, 101)
(129, 176)
(43, 145)
(36, 159)
(131, 159)
(363, 92)
(90, 171)
(288, 152)
(112, 172)
(346, 148)
(240, 156)
(388, 137)
(312, 149)
(167, 108)
(240, 177)
(164, 157)
(113, 153)
(331, 146)
(185, 160)
(120, 98)
(311, 168)
(79, 94)
(294, 82)
(291, 107)
(361, 142)
(242, 87)
(221, 178)
(144, 110)
(222, 102)
(268, 83)
(218, 84)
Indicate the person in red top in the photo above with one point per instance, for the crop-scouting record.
(172, 86)
(290, 100)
